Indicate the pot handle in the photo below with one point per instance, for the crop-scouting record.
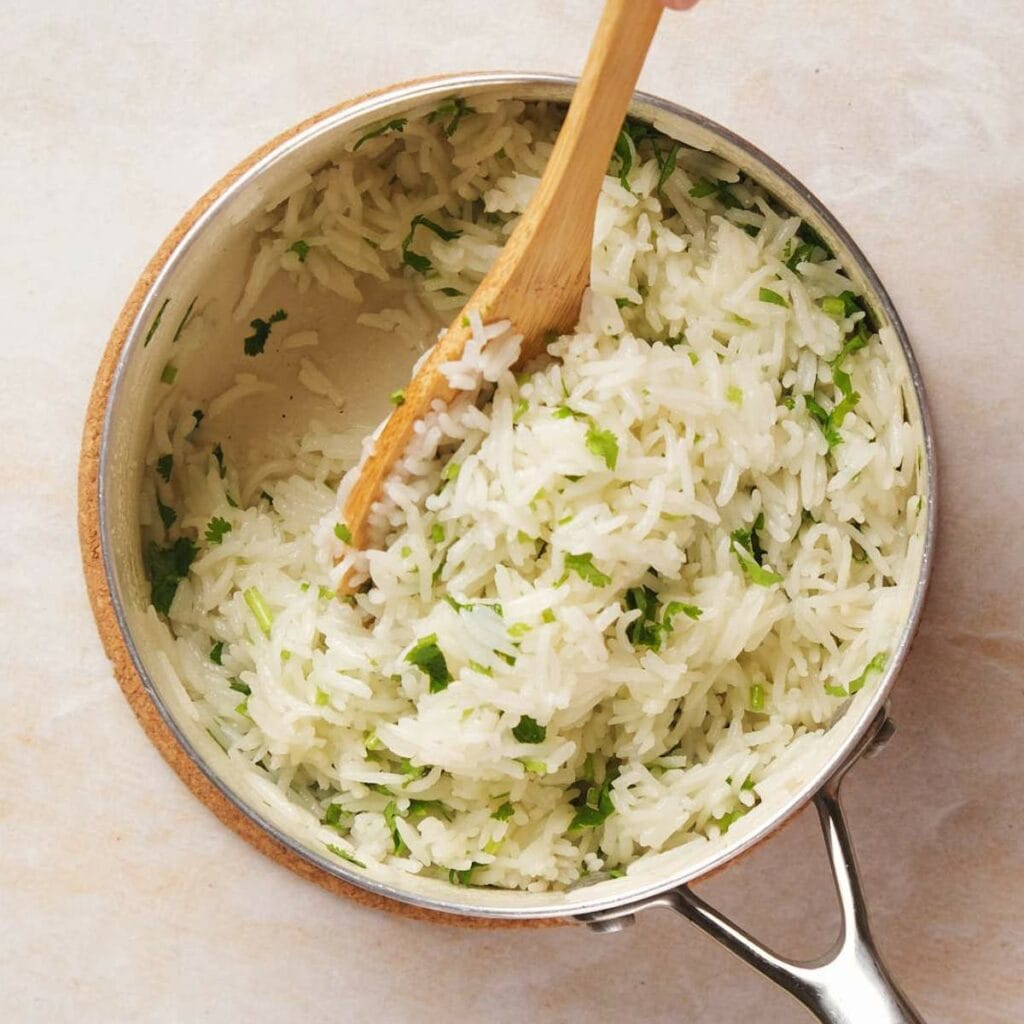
(849, 984)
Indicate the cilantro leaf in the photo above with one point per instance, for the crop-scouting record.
(156, 323)
(455, 108)
(257, 341)
(746, 546)
(691, 611)
(343, 533)
(216, 529)
(604, 444)
(300, 248)
(339, 852)
(646, 630)
(427, 656)
(421, 264)
(876, 664)
(396, 125)
(773, 297)
(167, 514)
(164, 465)
(528, 731)
(504, 812)
(217, 653)
(583, 566)
(166, 568)
(596, 805)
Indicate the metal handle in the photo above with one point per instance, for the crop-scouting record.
(849, 984)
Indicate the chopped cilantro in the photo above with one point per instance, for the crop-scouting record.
(427, 656)
(164, 465)
(583, 566)
(675, 608)
(390, 816)
(166, 568)
(528, 731)
(876, 664)
(533, 766)
(344, 855)
(646, 630)
(667, 165)
(216, 529)
(300, 248)
(767, 295)
(455, 108)
(518, 629)
(746, 547)
(457, 877)
(322, 698)
(596, 805)
(548, 615)
(484, 670)
(437, 533)
(734, 395)
(397, 397)
(218, 454)
(451, 292)
(623, 152)
(520, 410)
(167, 514)
(703, 189)
(833, 305)
(239, 687)
(168, 374)
(343, 533)
(729, 818)
(217, 653)
(257, 341)
(259, 608)
(183, 320)
(603, 444)
(450, 471)
(504, 812)
(757, 697)
(421, 264)
(396, 125)
(156, 323)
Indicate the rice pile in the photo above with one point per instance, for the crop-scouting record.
(614, 596)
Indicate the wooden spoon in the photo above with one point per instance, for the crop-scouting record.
(539, 277)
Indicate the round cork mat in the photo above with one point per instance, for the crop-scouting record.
(102, 604)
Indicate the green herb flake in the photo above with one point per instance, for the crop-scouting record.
(169, 374)
(533, 766)
(520, 410)
(167, 514)
(518, 629)
(259, 608)
(216, 529)
(703, 189)
(742, 320)
(156, 323)
(322, 698)
(547, 615)
(421, 264)
(645, 630)
(164, 465)
(397, 397)
(450, 471)
(166, 568)
(483, 670)
(583, 566)
(734, 395)
(396, 125)
(746, 547)
(427, 657)
(184, 320)
(217, 653)
(757, 697)
(597, 805)
(773, 297)
(257, 341)
(437, 533)
(876, 664)
(603, 444)
(343, 533)
(300, 248)
(454, 109)
(504, 812)
(344, 855)
(667, 165)
(238, 686)
(623, 152)
(833, 306)
(674, 608)
(528, 731)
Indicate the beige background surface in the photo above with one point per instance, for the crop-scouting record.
(121, 897)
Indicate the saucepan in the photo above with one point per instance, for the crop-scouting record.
(202, 266)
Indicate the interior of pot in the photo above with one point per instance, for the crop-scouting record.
(186, 329)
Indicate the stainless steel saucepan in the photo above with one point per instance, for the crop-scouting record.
(200, 272)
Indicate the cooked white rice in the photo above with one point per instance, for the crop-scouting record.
(638, 579)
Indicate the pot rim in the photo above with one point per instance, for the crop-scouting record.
(141, 307)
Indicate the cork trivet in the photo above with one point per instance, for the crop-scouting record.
(102, 605)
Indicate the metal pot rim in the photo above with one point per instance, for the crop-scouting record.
(556, 87)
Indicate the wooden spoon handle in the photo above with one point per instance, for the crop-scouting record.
(539, 277)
